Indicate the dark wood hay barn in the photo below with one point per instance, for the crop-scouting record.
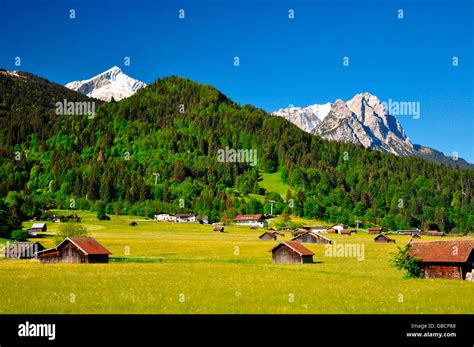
(444, 259)
(218, 229)
(374, 230)
(78, 250)
(267, 236)
(310, 237)
(291, 252)
(381, 238)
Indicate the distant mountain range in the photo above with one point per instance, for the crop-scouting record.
(112, 83)
(362, 120)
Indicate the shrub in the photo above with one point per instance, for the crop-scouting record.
(71, 230)
(19, 235)
(403, 261)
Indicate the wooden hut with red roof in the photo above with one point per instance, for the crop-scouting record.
(77, 250)
(291, 252)
(444, 259)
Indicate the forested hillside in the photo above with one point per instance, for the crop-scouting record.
(172, 130)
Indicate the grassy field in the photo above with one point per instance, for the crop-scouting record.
(179, 268)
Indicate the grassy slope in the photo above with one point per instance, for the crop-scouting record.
(203, 265)
(273, 183)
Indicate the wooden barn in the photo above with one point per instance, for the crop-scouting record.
(374, 231)
(290, 252)
(434, 233)
(444, 259)
(35, 228)
(382, 238)
(277, 233)
(23, 250)
(346, 232)
(218, 229)
(311, 237)
(415, 236)
(79, 250)
(268, 236)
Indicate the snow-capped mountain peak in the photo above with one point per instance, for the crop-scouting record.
(363, 120)
(109, 84)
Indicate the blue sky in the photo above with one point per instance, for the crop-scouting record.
(282, 61)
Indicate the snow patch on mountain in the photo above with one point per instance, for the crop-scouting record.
(306, 118)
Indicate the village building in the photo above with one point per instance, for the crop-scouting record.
(338, 227)
(255, 220)
(374, 231)
(444, 259)
(203, 219)
(291, 252)
(410, 232)
(35, 228)
(415, 236)
(268, 236)
(164, 217)
(319, 228)
(78, 250)
(277, 233)
(382, 238)
(218, 229)
(185, 218)
(312, 237)
(23, 250)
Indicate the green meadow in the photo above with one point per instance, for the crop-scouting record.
(188, 268)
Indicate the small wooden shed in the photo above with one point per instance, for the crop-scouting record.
(346, 231)
(218, 229)
(267, 236)
(312, 237)
(435, 233)
(23, 250)
(382, 238)
(35, 228)
(291, 252)
(79, 250)
(374, 231)
(444, 259)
